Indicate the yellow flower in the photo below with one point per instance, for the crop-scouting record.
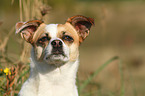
(7, 71)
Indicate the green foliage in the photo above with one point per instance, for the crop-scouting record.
(86, 82)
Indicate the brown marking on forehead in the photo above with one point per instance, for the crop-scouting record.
(68, 29)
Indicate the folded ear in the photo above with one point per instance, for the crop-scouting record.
(82, 25)
(27, 29)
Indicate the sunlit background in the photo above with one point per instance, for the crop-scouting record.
(119, 31)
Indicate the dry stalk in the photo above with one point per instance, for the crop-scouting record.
(0, 32)
(11, 79)
(25, 52)
(103, 23)
(12, 2)
(21, 15)
(29, 10)
(5, 42)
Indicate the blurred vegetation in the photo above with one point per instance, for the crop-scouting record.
(119, 31)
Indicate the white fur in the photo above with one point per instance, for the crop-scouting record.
(47, 79)
(52, 30)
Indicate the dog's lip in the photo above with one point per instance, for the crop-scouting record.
(57, 52)
(57, 55)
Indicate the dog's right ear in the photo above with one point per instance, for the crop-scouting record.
(82, 25)
(27, 29)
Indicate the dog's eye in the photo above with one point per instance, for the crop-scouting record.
(43, 39)
(67, 38)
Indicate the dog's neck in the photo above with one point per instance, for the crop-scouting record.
(51, 78)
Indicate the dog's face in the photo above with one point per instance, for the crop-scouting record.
(55, 43)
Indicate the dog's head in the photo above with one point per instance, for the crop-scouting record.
(55, 43)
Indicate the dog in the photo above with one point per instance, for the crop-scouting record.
(54, 55)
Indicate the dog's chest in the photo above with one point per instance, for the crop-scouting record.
(46, 89)
(56, 85)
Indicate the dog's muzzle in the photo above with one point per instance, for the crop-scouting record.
(56, 52)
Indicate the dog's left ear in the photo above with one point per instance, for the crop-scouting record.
(82, 25)
(27, 29)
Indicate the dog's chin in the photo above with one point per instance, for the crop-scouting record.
(59, 59)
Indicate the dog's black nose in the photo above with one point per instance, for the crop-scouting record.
(56, 43)
(57, 47)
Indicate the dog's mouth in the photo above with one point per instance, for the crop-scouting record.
(57, 51)
(56, 59)
(57, 56)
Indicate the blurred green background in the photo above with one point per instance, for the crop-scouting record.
(119, 31)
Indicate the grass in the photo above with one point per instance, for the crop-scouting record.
(86, 82)
(101, 68)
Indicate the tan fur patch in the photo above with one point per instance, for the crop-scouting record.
(39, 32)
(69, 30)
